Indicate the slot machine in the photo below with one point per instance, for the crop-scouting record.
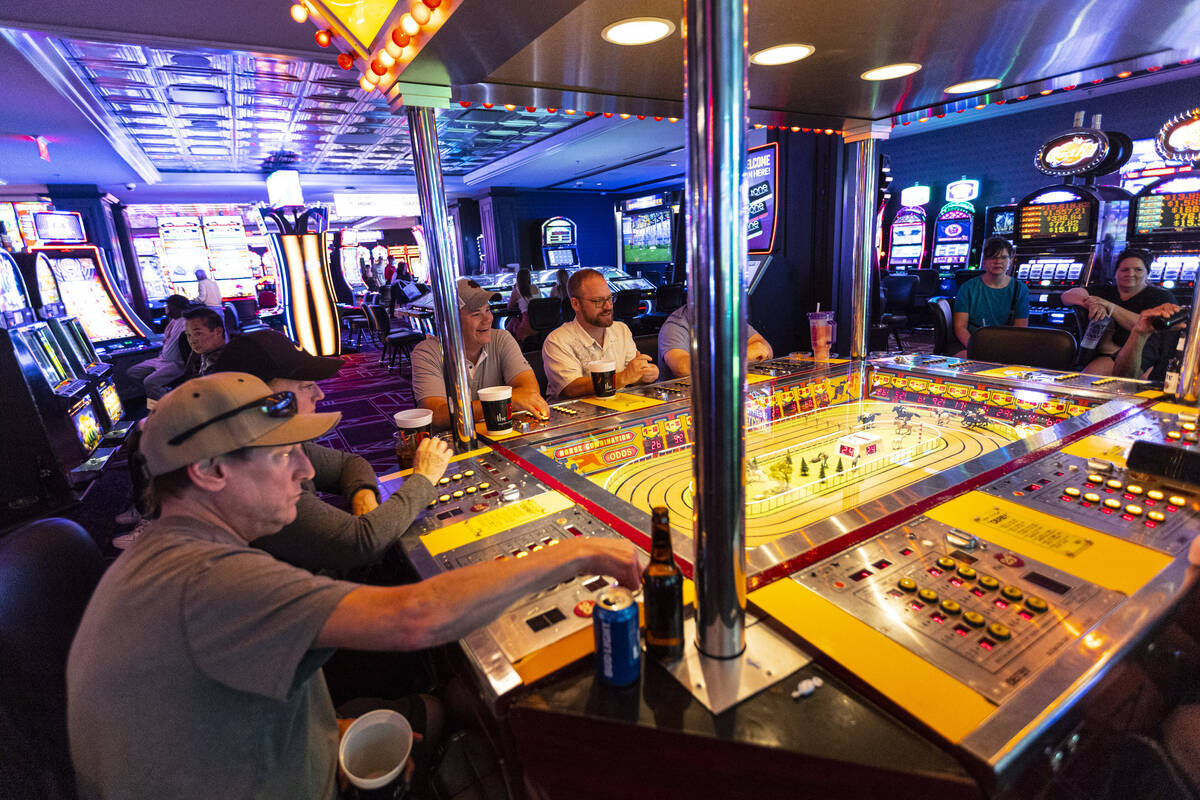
(559, 244)
(1000, 221)
(953, 232)
(347, 277)
(647, 232)
(906, 239)
(1165, 218)
(87, 287)
(1069, 234)
(72, 340)
(46, 410)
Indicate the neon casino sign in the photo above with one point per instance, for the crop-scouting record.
(1179, 138)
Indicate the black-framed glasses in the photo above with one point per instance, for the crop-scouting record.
(599, 302)
(280, 404)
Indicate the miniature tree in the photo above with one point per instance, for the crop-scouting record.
(839, 464)
(803, 467)
(822, 475)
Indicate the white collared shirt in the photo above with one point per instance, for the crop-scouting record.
(569, 348)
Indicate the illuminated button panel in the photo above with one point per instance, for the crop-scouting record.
(989, 617)
(1100, 495)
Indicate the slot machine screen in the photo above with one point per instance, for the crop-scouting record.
(112, 402)
(86, 298)
(1169, 213)
(59, 226)
(13, 302)
(8, 216)
(86, 426)
(562, 258)
(45, 354)
(80, 343)
(908, 240)
(47, 286)
(1067, 220)
(646, 236)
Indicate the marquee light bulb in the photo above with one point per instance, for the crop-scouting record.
(299, 13)
(420, 12)
(409, 25)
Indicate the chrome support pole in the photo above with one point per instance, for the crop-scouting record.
(1189, 373)
(716, 92)
(443, 272)
(865, 183)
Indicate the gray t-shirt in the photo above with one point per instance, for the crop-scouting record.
(192, 674)
(499, 363)
(676, 334)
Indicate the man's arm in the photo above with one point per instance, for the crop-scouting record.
(1077, 296)
(440, 407)
(564, 373)
(527, 395)
(338, 472)
(758, 349)
(447, 607)
(1128, 361)
(679, 362)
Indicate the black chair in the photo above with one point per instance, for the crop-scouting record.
(668, 298)
(964, 275)
(48, 569)
(545, 314)
(1042, 348)
(898, 310)
(396, 344)
(626, 305)
(944, 341)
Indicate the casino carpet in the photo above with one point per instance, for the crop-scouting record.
(362, 390)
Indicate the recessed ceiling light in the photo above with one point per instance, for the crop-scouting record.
(977, 85)
(782, 54)
(638, 30)
(890, 71)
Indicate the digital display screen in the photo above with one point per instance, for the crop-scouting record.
(84, 417)
(112, 402)
(1071, 220)
(59, 226)
(12, 291)
(908, 242)
(47, 287)
(1001, 221)
(1168, 213)
(953, 230)
(85, 297)
(1047, 583)
(47, 356)
(81, 344)
(562, 258)
(646, 237)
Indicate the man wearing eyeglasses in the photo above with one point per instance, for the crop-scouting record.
(493, 359)
(196, 669)
(675, 343)
(592, 336)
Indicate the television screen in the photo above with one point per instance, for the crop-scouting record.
(646, 236)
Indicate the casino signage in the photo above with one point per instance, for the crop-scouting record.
(761, 198)
(1179, 138)
(1075, 152)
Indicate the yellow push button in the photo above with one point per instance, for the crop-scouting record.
(432, 503)
(988, 582)
(1154, 494)
(973, 618)
(1111, 503)
(1188, 426)
(951, 607)
(485, 486)
(1012, 593)
(1113, 483)
(471, 490)
(1071, 491)
(443, 481)
(1092, 497)
(928, 595)
(1157, 516)
(966, 573)
(1176, 500)
(1036, 604)
(1134, 488)
(444, 498)
(458, 494)
(946, 562)
(456, 476)
(999, 631)
(1094, 478)
(469, 473)
(907, 584)
(1133, 510)
(1173, 434)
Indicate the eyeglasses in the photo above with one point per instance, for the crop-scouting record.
(280, 404)
(598, 302)
(998, 257)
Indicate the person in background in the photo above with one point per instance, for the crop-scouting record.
(368, 276)
(518, 303)
(205, 332)
(675, 343)
(493, 359)
(993, 298)
(1123, 303)
(561, 276)
(323, 537)
(389, 270)
(1137, 358)
(208, 292)
(202, 657)
(158, 373)
(592, 336)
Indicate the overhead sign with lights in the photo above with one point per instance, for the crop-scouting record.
(915, 195)
(1179, 139)
(1076, 152)
(361, 204)
(963, 191)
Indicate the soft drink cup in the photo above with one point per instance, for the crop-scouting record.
(415, 425)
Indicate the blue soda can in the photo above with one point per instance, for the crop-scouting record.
(618, 639)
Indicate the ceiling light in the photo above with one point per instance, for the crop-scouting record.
(890, 71)
(638, 30)
(782, 54)
(977, 85)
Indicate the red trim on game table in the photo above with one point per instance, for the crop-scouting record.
(638, 537)
(823, 551)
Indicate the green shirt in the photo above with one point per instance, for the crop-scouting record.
(985, 306)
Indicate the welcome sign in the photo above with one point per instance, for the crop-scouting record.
(761, 198)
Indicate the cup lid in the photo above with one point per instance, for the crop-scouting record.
(602, 366)
(413, 418)
(495, 392)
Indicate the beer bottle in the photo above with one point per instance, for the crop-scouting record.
(662, 589)
(1171, 381)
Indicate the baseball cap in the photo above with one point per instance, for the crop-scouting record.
(270, 354)
(222, 412)
(472, 296)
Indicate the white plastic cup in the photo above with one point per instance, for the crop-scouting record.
(604, 377)
(374, 748)
(415, 425)
(497, 408)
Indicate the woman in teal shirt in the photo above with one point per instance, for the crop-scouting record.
(993, 298)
